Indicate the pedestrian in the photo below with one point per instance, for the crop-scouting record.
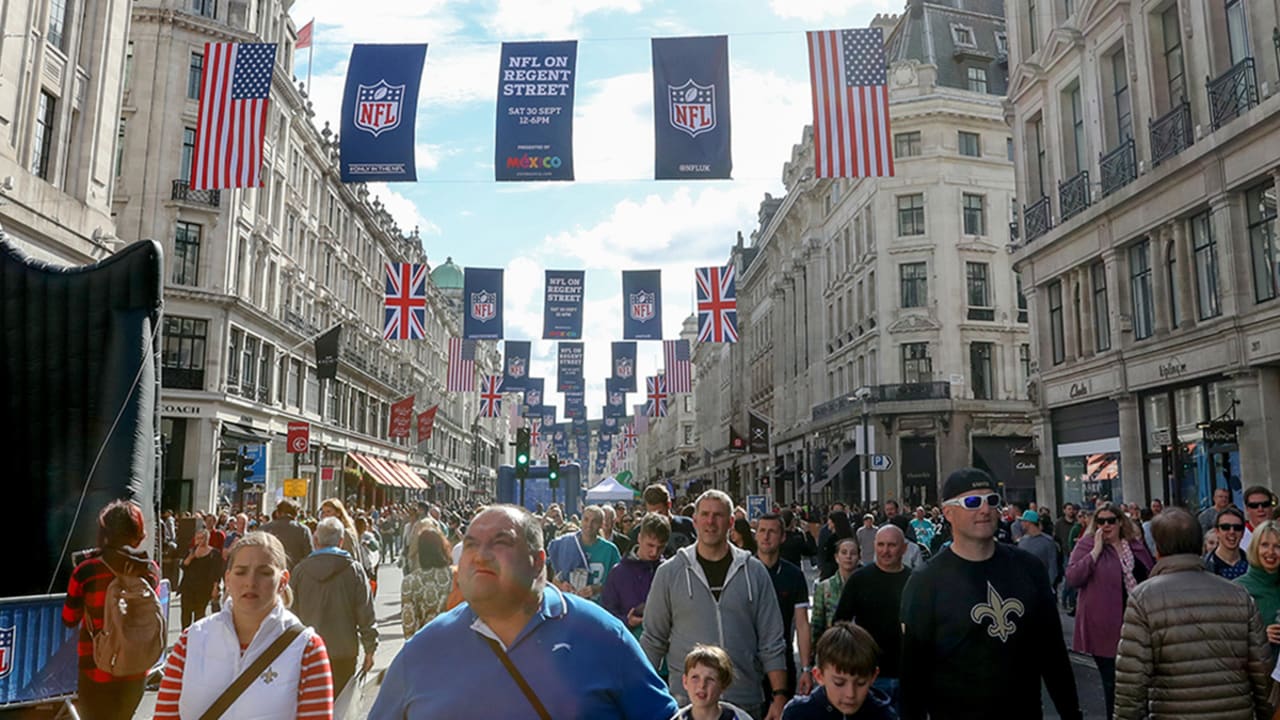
(1228, 560)
(1192, 644)
(1034, 541)
(524, 648)
(1105, 567)
(627, 587)
(867, 539)
(846, 673)
(742, 536)
(658, 500)
(872, 598)
(893, 515)
(827, 593)
(1064, 532)
(1210, 542)
(1208, 517)
(792, 590)
(980, 626)
(922, 528)
(838, 523)
(1263, 579)
(708, 671)
(284, 525)
(611, 532)
(254, 626)
(710, 593)
(580, 562)
(201, 573)
(424, 593)
(102, 695)
(1259, 503)
(798, 544)
(334, 508)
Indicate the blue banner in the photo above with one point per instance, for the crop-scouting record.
(580, 427)
(608, 427)
(548, 415)
(535, 111)
(642, 304)
(624, 364)
(533, 396)
(691, 108)
(482, 303)
(615, 398)
(569, 358)
(379, 106)
(575, 404)
(560, 438)
(562, 305)
(515, 365)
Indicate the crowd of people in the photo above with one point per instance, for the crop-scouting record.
(701, 611)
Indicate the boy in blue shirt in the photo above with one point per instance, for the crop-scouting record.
(846, 668)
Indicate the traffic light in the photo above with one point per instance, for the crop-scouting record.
(553, 470)
(522, 453)
(244, 469)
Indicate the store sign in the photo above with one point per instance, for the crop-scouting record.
(180, 410)
(1173, 368)
(1078, 389)
(1221, 433)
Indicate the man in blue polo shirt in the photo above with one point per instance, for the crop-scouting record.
(574, 658)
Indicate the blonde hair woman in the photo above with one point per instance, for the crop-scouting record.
(1263, 579)
(254, 624)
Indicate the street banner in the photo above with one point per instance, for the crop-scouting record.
(327, 353)
(849, 79)
(604, 444)
(575, 404)
(379, 106)
(656, 389)
(533, 396)
(640, 415)
(757, 506)
(569, 357)
(401, 418)
(562, 305)
(535, 111)
(482, 303)
(642, 304)
(231, 125)
(737, 443)
(717, 304)
(678, 366)
(427, 423)
(491, 396)
(609, 426)
(580, 427)
(404, 301)
(691, 108)
(560, 437)
(758, 434)
(615, 398)
(624, 364)
(298, 440)
(462, 366)
(515, 365)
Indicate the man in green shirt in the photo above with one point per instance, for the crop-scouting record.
(580, 562)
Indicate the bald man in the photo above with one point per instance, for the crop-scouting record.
(872, 597)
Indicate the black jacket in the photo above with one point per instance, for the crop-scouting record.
(331, 594)
(294, 537)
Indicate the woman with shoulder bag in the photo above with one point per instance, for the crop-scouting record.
(253, 659)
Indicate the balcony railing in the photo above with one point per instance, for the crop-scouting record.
(1073, 195)
(906, 392)
(1170, 133)
(1118, 167)
(1036, 218)
(182, 191)
(1232, 93)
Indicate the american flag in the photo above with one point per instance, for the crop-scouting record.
(850, 103)
(491, 396)
(679, 370)
(717, 304)
(657, 405)
(234, 91)
(405, 303)
(462, 366)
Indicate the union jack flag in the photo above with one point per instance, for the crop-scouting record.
(491, 396)
(679, 368)
(657, 405)
(629, 437)
(717, 304)
(533, 432)
(405, 307)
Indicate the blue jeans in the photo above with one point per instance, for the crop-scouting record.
(891, 687)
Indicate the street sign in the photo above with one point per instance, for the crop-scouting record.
(757, 506)
(881, 463)
(295, 487)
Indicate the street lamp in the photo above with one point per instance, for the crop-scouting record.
(863, 395)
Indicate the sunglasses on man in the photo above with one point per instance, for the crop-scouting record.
(1231, 527)
(973, 502)
(1259, 505)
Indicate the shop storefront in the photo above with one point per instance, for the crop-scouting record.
(1189, 442)
(919, 470)
(1086, 449)
(996, 456)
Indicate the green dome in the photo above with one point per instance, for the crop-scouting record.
(448, 276)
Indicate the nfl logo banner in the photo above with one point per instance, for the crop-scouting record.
(378, 110)
(533, 396)
(548, 415)
(615, 398)
(515, 365)
(624, 364)
(691, 108)
(562, 305)
(569, 366)
(482, 304)
(642, 304)
(575, 404)
(535, 111)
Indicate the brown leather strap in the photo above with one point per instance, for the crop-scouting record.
(515, 675)
(251, 673)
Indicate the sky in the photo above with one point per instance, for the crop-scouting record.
(614, 216)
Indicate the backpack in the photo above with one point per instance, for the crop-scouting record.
(133, 627)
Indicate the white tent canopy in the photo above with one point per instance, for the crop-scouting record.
(609, 490)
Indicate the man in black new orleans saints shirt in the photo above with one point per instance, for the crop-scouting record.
(980, 625)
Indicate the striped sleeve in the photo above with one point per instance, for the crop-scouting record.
(315, 687)
(73, 606)
(171, 683)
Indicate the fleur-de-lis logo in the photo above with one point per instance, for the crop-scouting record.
(269, 675)
(1000, 611)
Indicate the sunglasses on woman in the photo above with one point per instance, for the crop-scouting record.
(1107, 520)
(973, 502)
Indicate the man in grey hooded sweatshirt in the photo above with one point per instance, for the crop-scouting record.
(716, 594)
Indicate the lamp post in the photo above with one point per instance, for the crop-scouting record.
(863, 395)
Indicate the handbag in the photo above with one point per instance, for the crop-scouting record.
(251, 673)
(529, 694)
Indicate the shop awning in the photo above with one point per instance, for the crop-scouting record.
(834, 469)
(450, 479)
(245, 432)
(389, 473)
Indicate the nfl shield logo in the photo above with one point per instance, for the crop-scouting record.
(615, 398)
(6, 649)
(692, 107)
(515, 368)
(643, 306)
(533, 397)
(622, 368)
(378, 107)
(484, 306)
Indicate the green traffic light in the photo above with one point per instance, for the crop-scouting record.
(522, 459)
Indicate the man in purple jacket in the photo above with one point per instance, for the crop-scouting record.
(627, 586)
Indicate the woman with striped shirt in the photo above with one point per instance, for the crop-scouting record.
(213, 652)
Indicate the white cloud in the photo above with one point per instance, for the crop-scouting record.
(403, 210)
(820, 9)
(551, 18)
(384, 21)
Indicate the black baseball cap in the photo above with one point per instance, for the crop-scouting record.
(966, 479)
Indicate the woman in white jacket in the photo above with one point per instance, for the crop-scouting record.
(214, 651)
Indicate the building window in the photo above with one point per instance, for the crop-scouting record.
(975, 214)
(1002, 43)
(916, 365)
(962, 36)
(970, 144)
(1057, 331)
(977, 80)
(911, 214)
(906, 144)
(1022, 298)
(184, 348)
(42, 149)
(195, 72)
(1260, 204)
(1171, 277)
(914, 279)
(980, 370)
(120, 136)
(1042, 183)
(188, 154)
(1033, 26)
(235, 342)
(1067, 8)
(1076, 153)
(186, 254)
(1121, 96)
(1237, 30)
(1140, 289)
(207, 8)
(1101, 308)
(1024, 362)
(58, 13)
(979, 291)
(1174, 66)
(1205, 250)
(1008, 149)
(688, 434)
